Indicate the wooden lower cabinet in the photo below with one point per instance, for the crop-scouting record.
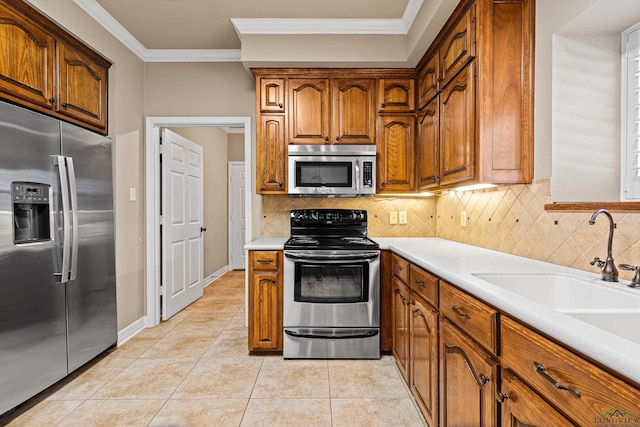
(467, 381)
(265, 301)
(424, 357)
(522, 406)
(401, 304)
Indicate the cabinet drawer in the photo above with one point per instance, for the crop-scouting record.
(264, 260)
(590, 392)
(477, 319)
(424, 283)
(400, 268)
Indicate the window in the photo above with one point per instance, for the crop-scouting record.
(631, 114)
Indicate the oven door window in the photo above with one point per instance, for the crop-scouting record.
(324, 174)
(331, 283)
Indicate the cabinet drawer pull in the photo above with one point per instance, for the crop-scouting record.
(540, 371)
(457, 311)
(265, 261)
(420, 283)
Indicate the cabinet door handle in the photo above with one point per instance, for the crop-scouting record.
(64, 104)
(397, 267)
(484, 379)
(420, 283)
(460, 313)
(337, 138)
(540, 371)
(501, 397)
(326, 138)
(52, 100)
(265, 261)
(280, 105)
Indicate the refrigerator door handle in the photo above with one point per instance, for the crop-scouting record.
(74, 218)
(66, 225)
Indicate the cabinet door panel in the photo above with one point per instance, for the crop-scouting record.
(467, 381)
(396, 95)
(271, 156)
(401, 327)
(82, 87)
(428, 80)
(353, 111)
(26, 59)
(424, 358)
(522, 407)
(309, 111)
(396, 157)
(429, 146)
(457, 128)
(272, 95)
(459, 46)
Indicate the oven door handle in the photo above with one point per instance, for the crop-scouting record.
(351, 256)
(358, 333)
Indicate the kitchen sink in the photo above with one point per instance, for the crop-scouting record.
(564, 292)
(619, 322)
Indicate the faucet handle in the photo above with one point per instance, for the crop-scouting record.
(635, 282)
(598, 261)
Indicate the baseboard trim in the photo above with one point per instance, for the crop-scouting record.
(214, 276)
(132, 330)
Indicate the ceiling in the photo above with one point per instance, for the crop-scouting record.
(206, 24)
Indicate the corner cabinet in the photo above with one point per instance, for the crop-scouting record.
(48, 70)
(478, 74)
(265, 301)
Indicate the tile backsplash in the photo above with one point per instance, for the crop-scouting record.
(421, 214)
(509, 219)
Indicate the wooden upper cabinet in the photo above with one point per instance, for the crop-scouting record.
(273, 94)
(82, 87)
(396, 95)
(396, 154)
(354, 117)
(271, 155)
(428, 146)
(26, 60)
(44, 68)
(309, 111)
(457, 128)
(459, 46)
(428, 80)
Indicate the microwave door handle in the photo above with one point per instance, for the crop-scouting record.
(357, 176)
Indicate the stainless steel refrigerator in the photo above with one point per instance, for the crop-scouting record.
(57, 262)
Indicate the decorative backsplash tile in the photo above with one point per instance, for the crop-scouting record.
(509, 219)
(421, 214)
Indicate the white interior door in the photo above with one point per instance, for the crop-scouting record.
(182, 210)
(237, 220)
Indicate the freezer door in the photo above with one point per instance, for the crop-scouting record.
(91, 293)
(33, 345)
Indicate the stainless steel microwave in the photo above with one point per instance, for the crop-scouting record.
(332, 170)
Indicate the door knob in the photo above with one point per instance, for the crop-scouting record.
(203, 229)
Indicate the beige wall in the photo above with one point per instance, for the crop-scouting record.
(236, 147)
(126, 121)
(214, 142)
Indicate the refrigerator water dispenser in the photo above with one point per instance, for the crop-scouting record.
(31, 212)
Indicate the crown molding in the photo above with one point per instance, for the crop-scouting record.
(231, 129)
(254, 26)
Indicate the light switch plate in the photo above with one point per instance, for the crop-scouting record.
(132, 194)
(402, 217)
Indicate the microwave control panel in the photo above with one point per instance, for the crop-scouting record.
(367, 174)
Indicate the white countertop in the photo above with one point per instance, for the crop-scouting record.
(455, 262)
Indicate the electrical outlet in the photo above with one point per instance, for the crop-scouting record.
(463, 218)
(393, 217)
(402, 217)
(132, 194)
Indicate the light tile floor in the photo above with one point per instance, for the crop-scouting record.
(194, 370)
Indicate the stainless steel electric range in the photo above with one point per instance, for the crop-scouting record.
(331, 286)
